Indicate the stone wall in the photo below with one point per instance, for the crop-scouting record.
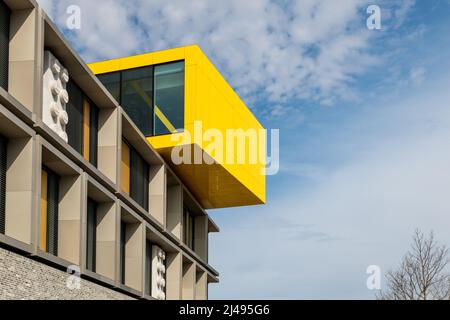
(24, 278)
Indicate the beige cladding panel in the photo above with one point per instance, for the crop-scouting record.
(125, 168)
(157, 193)
(108, 151)
(106, 239)
(22, 55)
(201, 236)
(201, 286)
(175, 210)
(69, 218)
(188, 285)
(174, 275)
(134, 256)
(19, 189)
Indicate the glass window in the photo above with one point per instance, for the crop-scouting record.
(169, 98)
(111, 81)
(137, 97)
(152, 96)
(4, 44)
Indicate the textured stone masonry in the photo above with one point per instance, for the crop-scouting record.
(22, 278)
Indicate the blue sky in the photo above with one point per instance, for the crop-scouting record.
(364, 119)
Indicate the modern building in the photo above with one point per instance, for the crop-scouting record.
(92, 203)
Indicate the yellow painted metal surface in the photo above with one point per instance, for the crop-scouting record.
(43, 215)
(125, 168)
(211, 101)
(86, 129)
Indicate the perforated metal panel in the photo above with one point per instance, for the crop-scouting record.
(52, 212)
(93, 132)
(91, 235)
(189, 229)
(74, 109)
(139, 179)
(148, 267)
(5, 14)
(192, 223)
(123, 228)
(3, 166)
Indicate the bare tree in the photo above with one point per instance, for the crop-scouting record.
(422, 274)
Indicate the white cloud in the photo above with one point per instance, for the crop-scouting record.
(276, 50)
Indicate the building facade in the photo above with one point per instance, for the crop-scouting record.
(92, 206)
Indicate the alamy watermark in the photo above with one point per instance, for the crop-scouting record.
(374, 19)
(229, 147)
(73, 21)
(73, 281)
(374, 279)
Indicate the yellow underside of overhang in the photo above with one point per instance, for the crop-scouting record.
(213, 185)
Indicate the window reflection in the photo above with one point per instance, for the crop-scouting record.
(169, 97)
(112, 82)
(137, 97)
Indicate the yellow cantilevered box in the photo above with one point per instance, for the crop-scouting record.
(216, 123)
